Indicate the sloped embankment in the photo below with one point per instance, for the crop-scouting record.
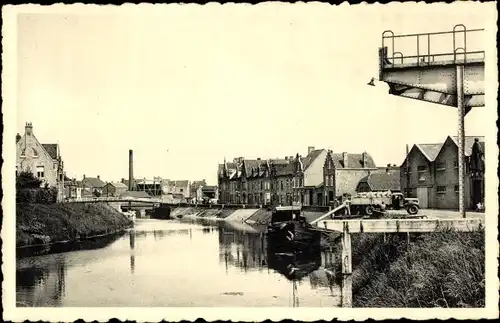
(438, 269)
(230, 214)
(48, 223)
(241, 215)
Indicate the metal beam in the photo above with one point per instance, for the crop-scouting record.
(461, 139)
(392, 226)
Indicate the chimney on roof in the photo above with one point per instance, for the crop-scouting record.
(98, 177)
(344, 158)
(84, 176)
(28, 129)
(310, 149)
(364, 159)
(258, 158)
(286, 157)
(130, 169)
(388, 168)
(18, 137)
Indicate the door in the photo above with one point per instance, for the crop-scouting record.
(423, 197)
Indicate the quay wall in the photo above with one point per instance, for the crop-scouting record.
(45, 224)
(252, 214)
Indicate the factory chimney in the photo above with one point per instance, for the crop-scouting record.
(130, 169)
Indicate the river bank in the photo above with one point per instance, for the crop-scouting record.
(438, 269)
(44, 224)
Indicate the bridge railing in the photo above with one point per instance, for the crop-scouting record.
(111, 199)
(420, 49)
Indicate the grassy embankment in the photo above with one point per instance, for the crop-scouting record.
(48, 223)
(441, 269)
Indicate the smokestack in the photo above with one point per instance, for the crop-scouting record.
(130, 169)
(310, 149)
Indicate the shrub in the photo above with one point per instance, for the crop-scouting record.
(36, 195)
(26, 179)
(440, 269)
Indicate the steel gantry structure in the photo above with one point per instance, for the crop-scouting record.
(453, 77)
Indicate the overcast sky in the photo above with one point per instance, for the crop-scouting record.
(186, 86)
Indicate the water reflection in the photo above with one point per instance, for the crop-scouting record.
(247, 271)
(252, 251)
(41, 282)
(241, 249)
(132, 253)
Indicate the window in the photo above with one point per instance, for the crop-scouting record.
(421, 172)
(441, 190)
(456, 188)
(440, 166)
(40, 171)
(455, 164)
(281, 185)
(261, 185)
(182, 190)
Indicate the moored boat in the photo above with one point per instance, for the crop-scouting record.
(289, 228)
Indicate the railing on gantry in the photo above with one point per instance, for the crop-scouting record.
(456, 54)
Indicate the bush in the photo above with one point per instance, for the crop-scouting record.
(27, 180)
(28, 190)
(36, 195)
(441, 269)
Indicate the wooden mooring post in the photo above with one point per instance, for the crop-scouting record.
(348, 227)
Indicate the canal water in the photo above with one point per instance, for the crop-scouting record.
(183, 263)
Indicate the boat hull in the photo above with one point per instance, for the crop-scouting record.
(295, 235)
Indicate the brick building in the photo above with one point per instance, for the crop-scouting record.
(114, 189)
(281, 181)
(382, 180)
(92, 186)
(229, 181)
(430, 172)
(196, 193)
(342, 173)
(43, 160)
(308, 177)
(309, 180)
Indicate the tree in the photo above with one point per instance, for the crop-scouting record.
(26, 179)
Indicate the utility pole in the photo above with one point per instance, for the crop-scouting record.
(461, 138)
(408, 189)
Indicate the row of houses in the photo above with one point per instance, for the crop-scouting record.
(429, 172)
(317, 178)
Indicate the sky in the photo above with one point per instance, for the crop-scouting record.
(187, 86)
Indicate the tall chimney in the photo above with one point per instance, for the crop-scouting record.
(344, 157)
(310, 149)
(130, 169)
(364, 159)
